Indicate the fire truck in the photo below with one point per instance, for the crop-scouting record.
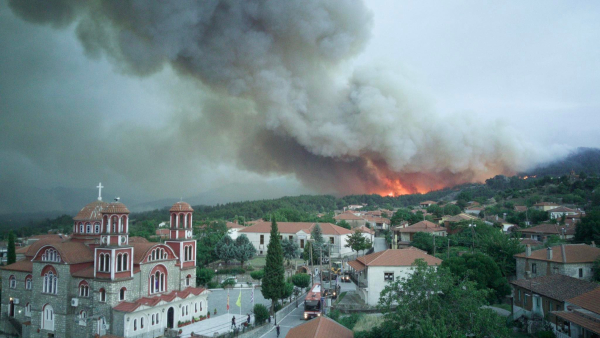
(312, 302)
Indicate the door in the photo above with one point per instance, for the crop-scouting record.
(170, 317)
(11, 309)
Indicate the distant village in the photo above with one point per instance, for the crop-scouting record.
(530, 264)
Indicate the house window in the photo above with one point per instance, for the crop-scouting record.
(388, 276)
(12, 282)
(331, 240)
(152, 321)
(301, 244)
(97, 228)
(550, 306)
(84, 289)
(526, 301)
(50, 283)
(262, 239)
(50, 255)
(519, 295)
(580, 272)
(135, 325)
(291, 238)
(102, 295)
(142, 323)
(122, 293)
(537, 301)
(533, 268)
(82, 317)
(80, 228)
(28, 310)
(188, 278)
(157, 282)
(28, 283)
(88, 228)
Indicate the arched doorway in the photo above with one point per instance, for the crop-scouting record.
(11, 309)
(170, 317)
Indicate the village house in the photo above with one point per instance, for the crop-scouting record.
(575, 260)
(545, 206)
(581, 316)
(450, 221)
(233, 228)
(351, 218)
(561, 211)
(259, 235)
(543, 231)
(474, 210)
(102, 282)
(320, 327)
(403, 236)
(373, 272)
(541, 295)
(426, 204)
(377, 223)
(520, 208)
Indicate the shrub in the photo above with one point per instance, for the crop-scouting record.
(277, 306)
(335, 315)
(212, 285)
(261, 314)
(228, 282)
(204, 276)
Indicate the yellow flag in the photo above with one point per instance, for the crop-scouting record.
(239, 301)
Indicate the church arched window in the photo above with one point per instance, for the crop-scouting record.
(88, 228)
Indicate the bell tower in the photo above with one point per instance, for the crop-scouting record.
(181, 237)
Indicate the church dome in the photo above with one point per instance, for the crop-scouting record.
(91, 212)
(116, 208)
(181, 206)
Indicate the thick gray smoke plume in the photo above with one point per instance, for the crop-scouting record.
(278, 68)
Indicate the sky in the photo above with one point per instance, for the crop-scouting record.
(384, 97)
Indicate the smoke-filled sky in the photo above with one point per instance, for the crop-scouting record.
(161, 99)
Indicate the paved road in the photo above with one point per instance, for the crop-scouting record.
(293, 319)
(217, 299)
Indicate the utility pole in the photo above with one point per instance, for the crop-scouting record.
(312, 268)
(434, 245)
(321, 265)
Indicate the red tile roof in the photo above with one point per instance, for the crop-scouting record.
(394, 257)
(520, 208)
(231, 225)
(559, 287)
(581, 319)
(84, 273)
(575, 253)
(320, 327)
(348, 216)
(181, 206)
(365, 230)
(423, 226)
(294, 227)
(116, 208)
(549, 229)
(589, 301)
(24, 265)
(153, 301)
(91, 212)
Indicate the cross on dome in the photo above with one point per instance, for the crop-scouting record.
(99, 191)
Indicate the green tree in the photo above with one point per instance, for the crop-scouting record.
(356, 241)
(273, 284)
(301, 280)
(320, 246)
(451, 209)
(291, 250)
(257, 275)
(482, 270)
(288, 291)
(225, 249)
(596, 270)
(12, 253)
(588, 229)
(344, 224)
(244, 250)
(424, 241)
(204, 276)
(208, 236)
(501, 248)
(434, 303)
(261, 314)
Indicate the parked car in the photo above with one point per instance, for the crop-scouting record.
(229, 280)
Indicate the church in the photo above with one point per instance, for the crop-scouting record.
(101, 282)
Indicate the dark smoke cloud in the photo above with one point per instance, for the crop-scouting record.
(273, 96)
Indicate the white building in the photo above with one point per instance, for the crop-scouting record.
(259, 234)
(374, 271)
(233, 228)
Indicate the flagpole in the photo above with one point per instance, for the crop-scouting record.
(227, 301)
(240, 299)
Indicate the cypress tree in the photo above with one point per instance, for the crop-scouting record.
(12, 251)
(273, 284)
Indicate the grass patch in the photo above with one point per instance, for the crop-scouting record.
(367, 322)
(341, 296)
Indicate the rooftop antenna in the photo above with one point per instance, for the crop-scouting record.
(99, 191)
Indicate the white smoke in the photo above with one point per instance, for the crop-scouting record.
(362, 132)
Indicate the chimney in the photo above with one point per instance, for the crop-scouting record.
(528, 250)
(549, 253)
(564, 253)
